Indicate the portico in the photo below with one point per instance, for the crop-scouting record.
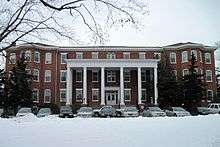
(110, 94)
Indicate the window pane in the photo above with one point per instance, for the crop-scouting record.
(78, 76)
(95, 94)
(127, 94)
(48, 58)
(79, 94)
(63, 76)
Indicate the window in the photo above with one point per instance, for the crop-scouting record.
(94, 76)
(175, 73)
(12, 58)
(111, 55)
(184, 56)
(142, 55)
(48, 58)
(207, 58)
(62, 95)
(200, 56)
(143, 76)
(95, 94)
(78, 76)
(79, 55)
(47, 96)
(35, 95)
(111, 76)
(79, 94)
(127, 94)
(47, 77)
(63, 57)
(63, 76)
(28, 71)
(36, 75)
(185, 72)
(126, 55)
(194, 52)
(127, 76)
(209, 94)
(95, 55)
(143, 95)
(37, 57)
(208, 76)
(173, 58)
(28, 56)
(157, 56)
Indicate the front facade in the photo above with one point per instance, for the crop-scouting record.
(107, 75)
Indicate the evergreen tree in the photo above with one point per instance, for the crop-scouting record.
(167, 85)
(193, 86)
(20, 91)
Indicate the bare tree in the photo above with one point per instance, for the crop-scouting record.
(31, 20)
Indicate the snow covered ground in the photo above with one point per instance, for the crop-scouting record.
(200, 131)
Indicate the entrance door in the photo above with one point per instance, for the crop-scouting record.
(111, 97)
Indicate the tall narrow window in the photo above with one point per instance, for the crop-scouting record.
(175, 73)
(95, 94)
(36, 75)
(78, 75)
(185, 72)
(143, 95)
(47, 95)
(95, 55)
(141, 55)
(126, 55)
(157, 56)
(207, 58)
(173, 58)
(79, 95)
(127, 76)
(94, 76)
(208, 76)
(79, 55)
(111, 76)
(62, 95)
(12, 58)
(63, 76)
(48, 58)
(143, 76)
(37, 57)
(184, 56)
(209, 94)
(194, 52)
(28, 56)
(35, 95)
(127, 94)
(47, 77)
(200, 56)
(63, 57)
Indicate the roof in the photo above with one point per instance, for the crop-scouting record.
(189, 44)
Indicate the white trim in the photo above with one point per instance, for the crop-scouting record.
(63, 90)
(38, 74)
(38, 56)
(126, 54)
(210, 57)
(140, 54)
(182, 55)
(12, 57)
(185, 70)
(96, 54)
(144, 89)
(79, 71)
(45, 90)
(95, 71)
(79, 89)
(37, 90)
(159, 55)
(48, 58)
(49, 75)
(209, 90)
(173, 54)
(127, 89)
(95, 89)
(61, 59)
(63, 71)
(79, 55)
(207, 75)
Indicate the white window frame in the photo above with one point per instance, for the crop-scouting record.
(142, 55)
(81, 74)
(47, 74)
(195, 54)
(129, 94)
(12, 58)
(111, 55)
(95, 71)
(208, 55)
(111, 76)
(37, 95)
(172, 54)
(187, 72)
(200, 56)
(184, 56)
(48, 58)
(63, 72)
(93, 94)
(28, 55)
(126, 55)
(156, 54)
(28, 71)
(61, 92)
(207, 74)
(38, 73)
(63, 57)
(145, 91)
(81, 91)
(143, 74)
(209, 90)
(79, 55)
(36, 56)
(95, 55)
(128, 72)
(49, 95)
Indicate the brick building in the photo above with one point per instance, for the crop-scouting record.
(107, 75)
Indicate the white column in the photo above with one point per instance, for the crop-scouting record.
(122, 102)
(139, 86)
(155, 86)
(69, 86)
(84, 85)
(102, 86)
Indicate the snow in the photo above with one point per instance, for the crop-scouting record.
(192, 131)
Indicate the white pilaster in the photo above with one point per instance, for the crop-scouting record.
(155, 86)
(139, 86)
(122, 102)
(69, 86)
(102, 86)
(84, 85)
